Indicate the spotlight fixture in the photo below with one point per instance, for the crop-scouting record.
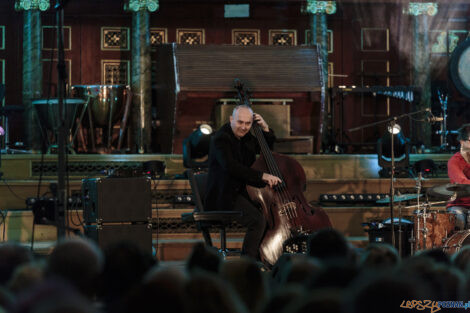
(400, 150)
(395, 129)
(196, 147)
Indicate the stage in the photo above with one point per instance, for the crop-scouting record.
(171, 238)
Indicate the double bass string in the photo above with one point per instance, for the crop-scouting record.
(274, 169)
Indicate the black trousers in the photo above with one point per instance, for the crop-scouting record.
(254, 221)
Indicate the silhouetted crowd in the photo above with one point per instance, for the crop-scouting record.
(332, 277)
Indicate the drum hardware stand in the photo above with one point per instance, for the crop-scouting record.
(400, 231)
(80, 119)
(125, 118)
(416, 239)
(425, 228)
(391, 122)
(110, 125)
(424, 215)
(412, 241)
(92, 131)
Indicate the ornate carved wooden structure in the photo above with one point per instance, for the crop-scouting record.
(190, 79)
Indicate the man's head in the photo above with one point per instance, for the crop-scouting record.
(464, 137)
(241, 120)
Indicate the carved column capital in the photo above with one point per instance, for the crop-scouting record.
(320, 7)
(421, 8)
(26, 5)
(139, 5)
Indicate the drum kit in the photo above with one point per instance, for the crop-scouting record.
(433, 228)
(92, 113)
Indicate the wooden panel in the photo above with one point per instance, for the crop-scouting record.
(49, 77)
(375, 39)
(262, 68)
(2, 37)
(294, 144)
(189, 114)
(49, 38)
(245, 37)
(164, 90)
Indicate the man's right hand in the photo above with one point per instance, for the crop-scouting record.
(271, 180)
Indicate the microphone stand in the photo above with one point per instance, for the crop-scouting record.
(443, 101)
(392, 184)
(392, 122)
(61, 204)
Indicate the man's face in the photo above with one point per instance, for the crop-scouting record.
(465, 145)
(241, 122)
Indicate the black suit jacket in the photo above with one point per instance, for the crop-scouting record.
(230, 159)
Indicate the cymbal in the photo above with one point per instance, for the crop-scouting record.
(400, 198)
(397, 220)
(448, 190)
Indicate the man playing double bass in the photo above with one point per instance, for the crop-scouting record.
(232, 151)
(458, 169)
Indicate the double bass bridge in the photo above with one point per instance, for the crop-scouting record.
(289, 209)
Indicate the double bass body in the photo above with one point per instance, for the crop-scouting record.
(287, 211)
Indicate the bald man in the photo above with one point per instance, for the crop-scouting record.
(232, 151)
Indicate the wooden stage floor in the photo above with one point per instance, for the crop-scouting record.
(172, 239)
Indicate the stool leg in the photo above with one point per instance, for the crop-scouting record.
(223, 242)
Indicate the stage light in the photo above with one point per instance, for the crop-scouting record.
(426, 167)
(400, 148)
(205, 129)
(153, 169)
(196, 147)
(395, 129)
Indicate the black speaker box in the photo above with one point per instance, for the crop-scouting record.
(104, 235)
(384, 235)
(117, 199)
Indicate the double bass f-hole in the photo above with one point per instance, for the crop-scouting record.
(285, 208)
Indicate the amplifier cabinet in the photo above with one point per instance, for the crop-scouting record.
(117, 200)
(108, 234)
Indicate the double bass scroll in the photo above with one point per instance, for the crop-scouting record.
(285, 208)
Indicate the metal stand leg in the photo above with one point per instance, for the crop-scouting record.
(223, 246)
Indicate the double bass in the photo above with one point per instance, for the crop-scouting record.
(285, 208)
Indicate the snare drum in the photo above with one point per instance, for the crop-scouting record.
(438, 226)
(456, 241)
